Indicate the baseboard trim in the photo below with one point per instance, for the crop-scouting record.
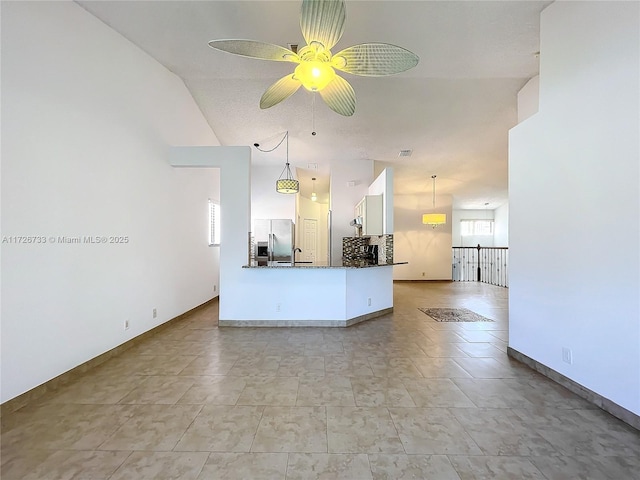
(424, 280)
(305, 323)
(51, 385)
(598, 400)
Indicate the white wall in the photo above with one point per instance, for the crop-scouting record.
(87, 119)
(265, 201)
(344, 199)
(574, 202)
(501, 226)
(427, 249)
(383, 185)
(528, 99)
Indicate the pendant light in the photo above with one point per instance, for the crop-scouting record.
(314, 197)
(286, 183)
(434, 219)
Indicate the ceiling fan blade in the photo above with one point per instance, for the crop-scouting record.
(253, 49)
(374, 59)
(322, 21)
(279, 91)
(339, 96)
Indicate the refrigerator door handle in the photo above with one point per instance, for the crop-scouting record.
(270, 252)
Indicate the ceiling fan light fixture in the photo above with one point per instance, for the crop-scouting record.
(314, 75)
(322, 24)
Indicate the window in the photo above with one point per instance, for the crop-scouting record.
(214, 223)
(476, 227)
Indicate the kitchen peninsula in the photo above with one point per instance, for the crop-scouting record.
(314, 296)
(288, 296)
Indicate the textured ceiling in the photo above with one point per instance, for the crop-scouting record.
(453, 110)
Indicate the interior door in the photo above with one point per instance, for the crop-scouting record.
(310, 239)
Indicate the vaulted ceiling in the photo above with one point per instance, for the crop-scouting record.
(453, 110)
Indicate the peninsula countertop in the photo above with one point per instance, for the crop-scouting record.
(309, 265)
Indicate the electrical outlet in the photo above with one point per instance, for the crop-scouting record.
(126, 324)
(423, 274)
(369, 301)
(155, 313)
(215, 288)
(278, 307)
(567, 356)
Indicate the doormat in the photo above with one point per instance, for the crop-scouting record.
(454, 315)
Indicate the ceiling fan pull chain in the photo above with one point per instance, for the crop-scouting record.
(313, 113)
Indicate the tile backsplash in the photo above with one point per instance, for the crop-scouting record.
(354, 249)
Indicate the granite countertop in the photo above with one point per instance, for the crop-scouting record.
(311, 265)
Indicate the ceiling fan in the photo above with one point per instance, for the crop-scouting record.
(322, 24)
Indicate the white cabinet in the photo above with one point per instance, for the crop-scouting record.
(370, 210)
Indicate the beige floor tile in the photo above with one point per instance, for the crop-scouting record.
(250, 366)
(161, 466)
(394, 367)
(362, 430)
(244, 466)
(284, 348)
(380, 392)
(540, 391)
(565, 431)
(96, 390)
(17, 463)
(484, 349)
(491, 393)
(68, 427)
(491, 368)
(475, 336)
(499, 467)
(317, 466)
(439, 368)
(436, 392)
(152, 427)
(301, 366)
(324, 391)
(324, 348)
(292, 429)
(221, 428)
(501, 432)
(215, 390)
(401, 467)
(159, 390)
(347, 365)
(209, 365)
(387, 398)
(70, 465)
(588, 467)
(269, 391)
(445, 350)
(432, 431)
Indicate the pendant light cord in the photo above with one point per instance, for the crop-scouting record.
(434, 191)
(286, 136)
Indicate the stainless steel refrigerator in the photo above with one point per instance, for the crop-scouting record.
(274, 240)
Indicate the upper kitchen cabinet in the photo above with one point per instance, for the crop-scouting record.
(370, 210)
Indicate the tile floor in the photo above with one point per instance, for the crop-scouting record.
(397, 397)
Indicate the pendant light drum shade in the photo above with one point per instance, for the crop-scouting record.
(286, 183)
(434, 218)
